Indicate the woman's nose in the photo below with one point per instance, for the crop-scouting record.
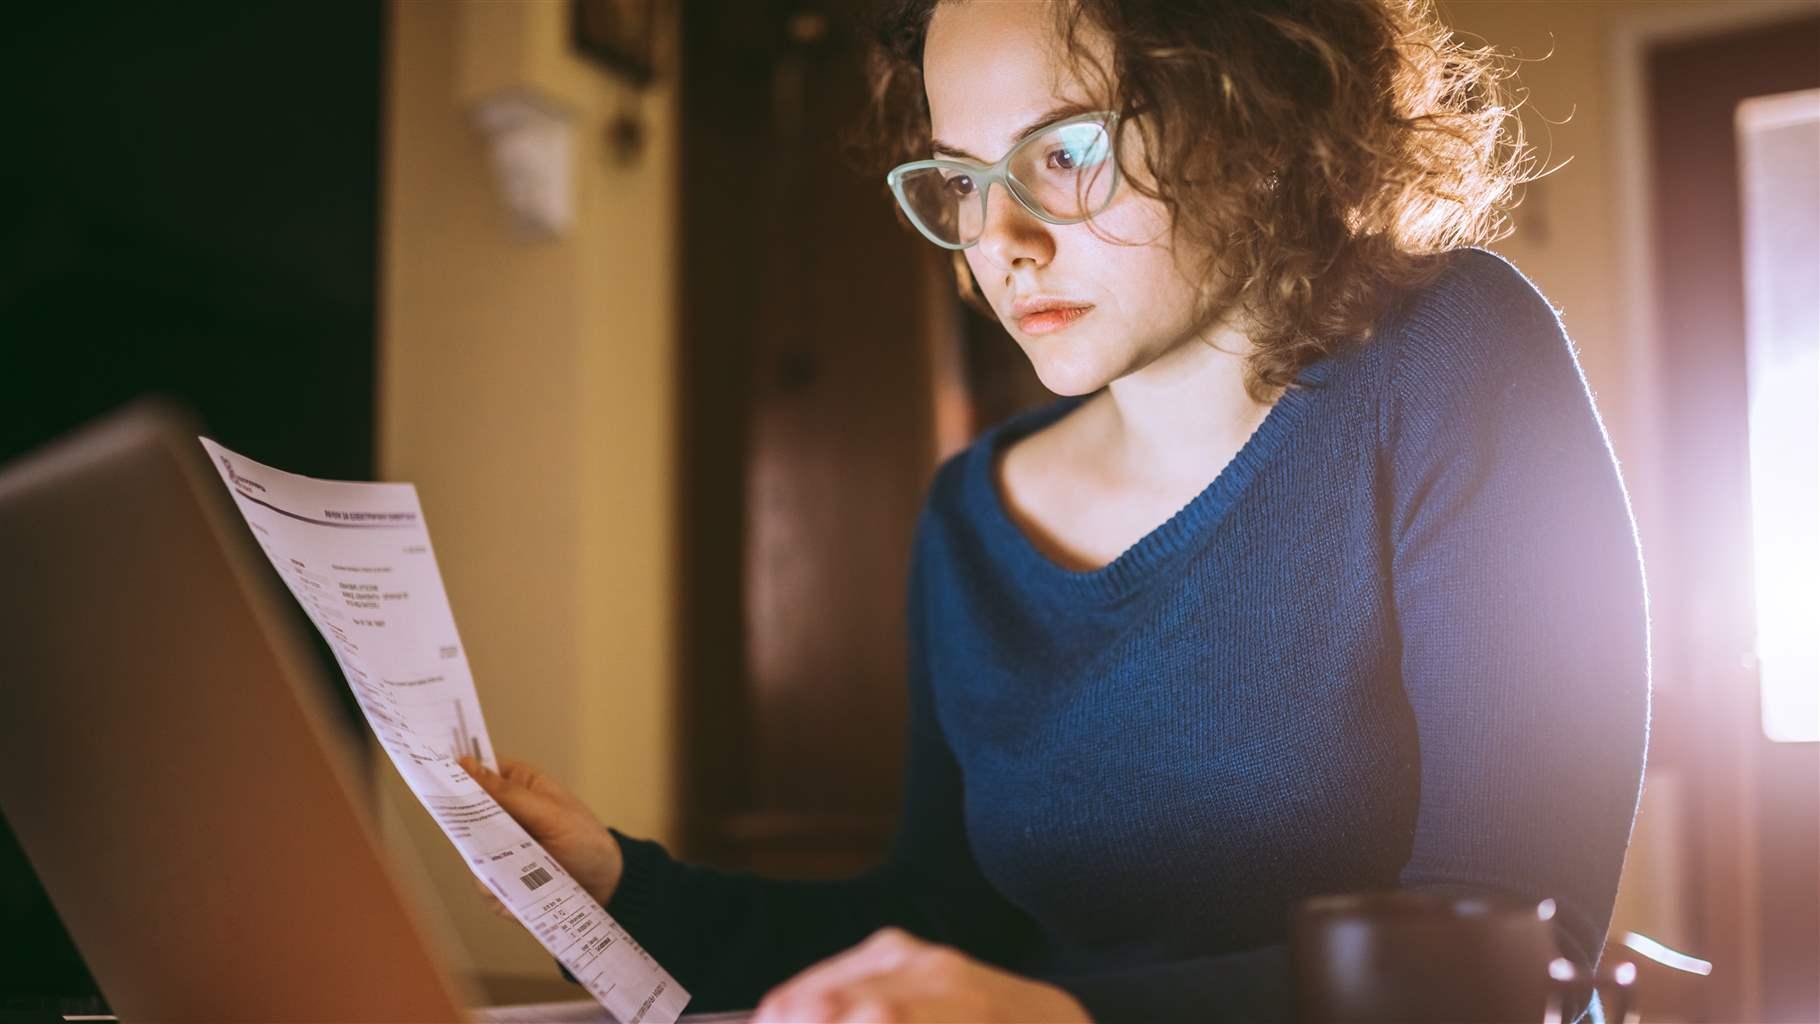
(1011, 234)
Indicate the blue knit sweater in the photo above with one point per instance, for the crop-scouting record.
(1399, 640)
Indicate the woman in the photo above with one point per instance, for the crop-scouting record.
(1319, 577)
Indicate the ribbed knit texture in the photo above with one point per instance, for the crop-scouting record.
(1399, 640)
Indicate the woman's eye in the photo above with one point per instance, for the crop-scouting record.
(960, 185)
(1062, 160)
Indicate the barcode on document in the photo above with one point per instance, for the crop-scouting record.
(534, 877)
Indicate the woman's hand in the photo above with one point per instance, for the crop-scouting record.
(558, 820)
(895, 978)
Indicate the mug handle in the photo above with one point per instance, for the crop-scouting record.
(1616, 984)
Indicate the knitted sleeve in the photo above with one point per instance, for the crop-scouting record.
(1520, 603)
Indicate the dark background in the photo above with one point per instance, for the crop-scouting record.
(190, 197)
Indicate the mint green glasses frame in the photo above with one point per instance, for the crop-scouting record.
(986, 177)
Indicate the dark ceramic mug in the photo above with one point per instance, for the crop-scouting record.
(1406, 957)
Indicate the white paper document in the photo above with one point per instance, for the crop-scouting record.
(357, 557)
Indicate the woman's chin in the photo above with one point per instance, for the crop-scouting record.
(1068, 378)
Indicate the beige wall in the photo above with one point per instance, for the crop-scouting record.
(526, 387)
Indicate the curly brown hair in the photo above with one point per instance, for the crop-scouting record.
(1330, 151)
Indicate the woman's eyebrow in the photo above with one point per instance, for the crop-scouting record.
(1042, 121)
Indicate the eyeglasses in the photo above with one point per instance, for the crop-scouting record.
(1063, 174)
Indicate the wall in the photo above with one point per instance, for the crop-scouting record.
(526, 388)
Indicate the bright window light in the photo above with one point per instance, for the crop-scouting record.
(1779, 164)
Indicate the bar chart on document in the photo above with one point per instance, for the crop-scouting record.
(357, 558)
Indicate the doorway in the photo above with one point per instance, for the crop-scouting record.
(1753, 837)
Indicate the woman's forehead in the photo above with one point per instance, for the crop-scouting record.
(990, 68)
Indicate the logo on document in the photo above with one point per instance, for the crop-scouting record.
(238, 480)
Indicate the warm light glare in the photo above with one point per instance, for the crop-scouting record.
(1646, 946)
(1779, 165)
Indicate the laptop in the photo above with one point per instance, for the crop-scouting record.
(170, 764)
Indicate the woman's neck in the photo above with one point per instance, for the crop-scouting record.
(1182, 412)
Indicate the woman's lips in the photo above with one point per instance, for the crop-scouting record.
(1048, 320)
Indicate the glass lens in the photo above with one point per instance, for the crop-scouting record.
(946, 201)
(1067, 171)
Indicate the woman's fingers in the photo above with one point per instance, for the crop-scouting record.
(538, 812)
(521, 772)
(517, 777)
(819, 992)
(539, 782)
(493, 901)
(555, 818)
